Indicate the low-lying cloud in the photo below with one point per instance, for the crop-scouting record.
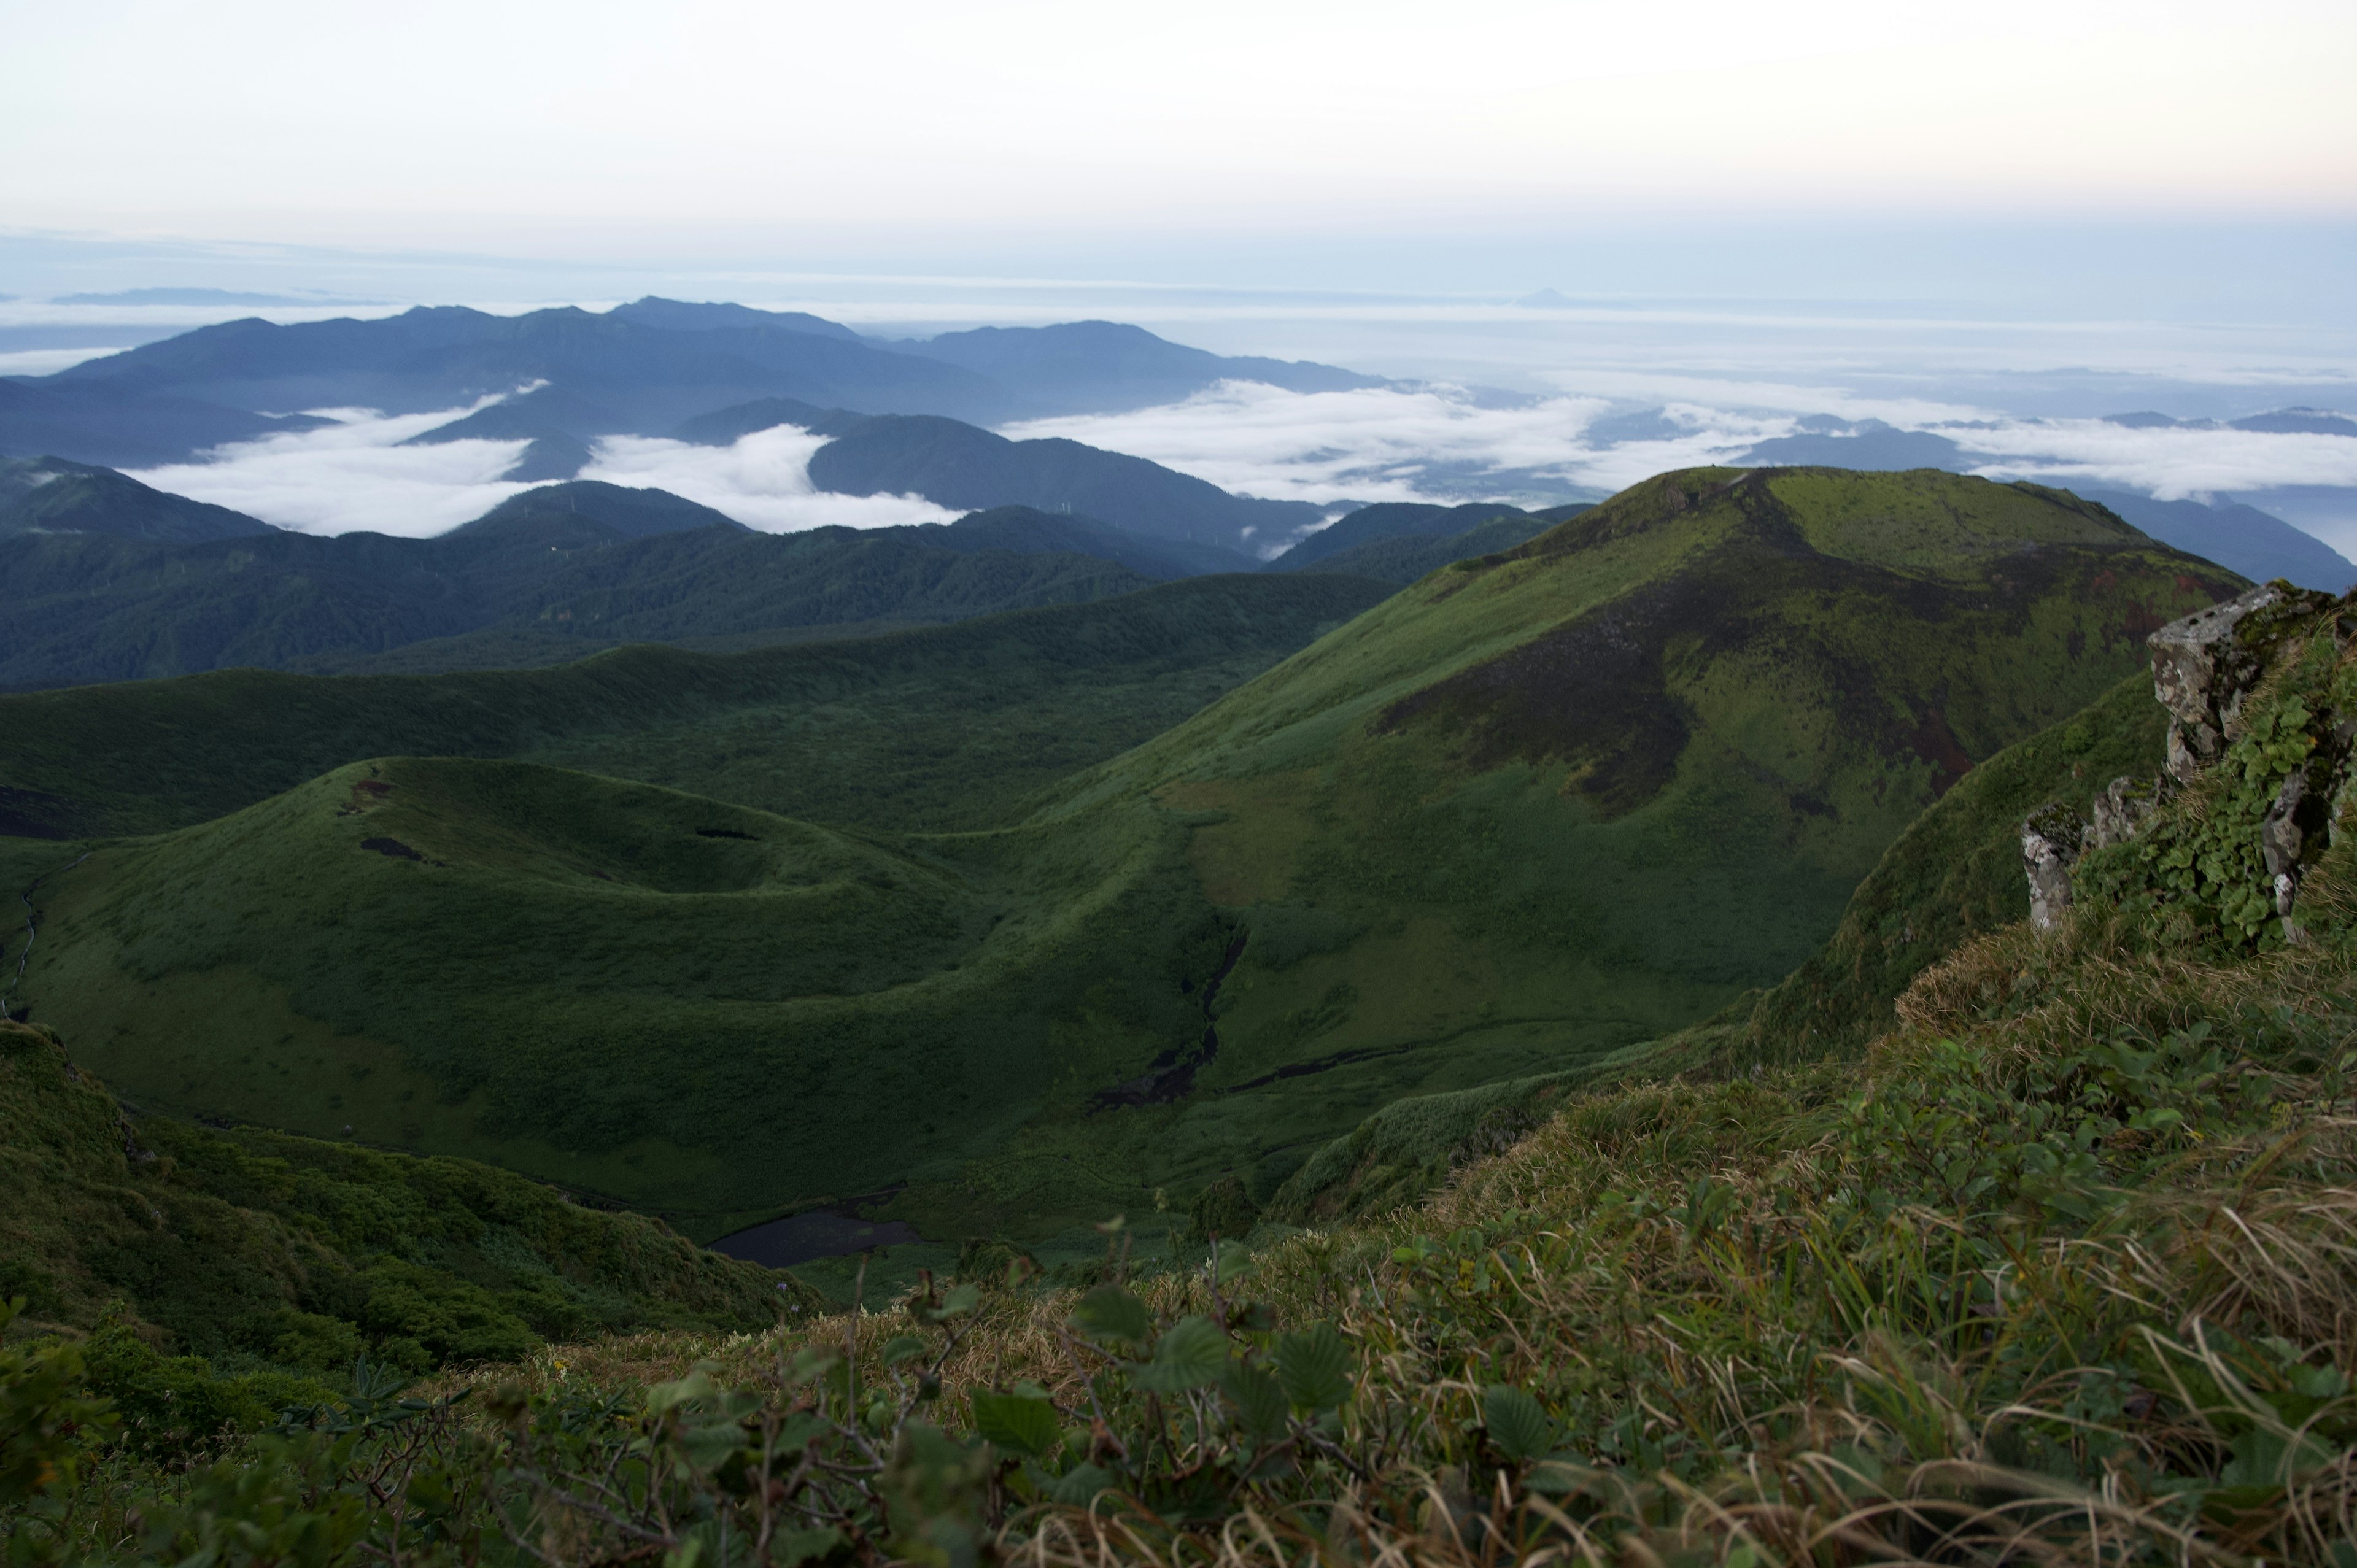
(762, 480)
(356, 475)
(353, 476)
(1377, 444)
(1436, 444)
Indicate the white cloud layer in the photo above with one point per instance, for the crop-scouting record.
(356, 476)
(1381, 444)
(353, 476)
(1378, 445)
(763, 482)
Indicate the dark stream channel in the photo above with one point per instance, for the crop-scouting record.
(806, 1238)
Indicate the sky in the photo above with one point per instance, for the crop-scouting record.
(2012, 216)
(703, 124)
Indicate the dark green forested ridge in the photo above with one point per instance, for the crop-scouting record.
(924, 728)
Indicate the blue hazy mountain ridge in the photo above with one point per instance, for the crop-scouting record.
(1827, 442)
(49, 495)
(1107, 367)
(1027, 530)
(1389, 520)
(2275, 422)
(1401, 559)
(122, 425)
(959, 465)
(2257, 544)
(681, 315)
(965, 468)
(446, 356)
(646, 366)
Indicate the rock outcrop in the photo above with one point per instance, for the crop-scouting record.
(2294, 746)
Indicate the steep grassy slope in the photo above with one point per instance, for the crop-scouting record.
(1525, 814)
(1530, 813)
(943, 728)
(1953, 876)
(251, 1248)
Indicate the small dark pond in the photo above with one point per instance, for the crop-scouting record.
(821, 1233)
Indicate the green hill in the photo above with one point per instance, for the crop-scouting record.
(1538, 807)
(260, 1250)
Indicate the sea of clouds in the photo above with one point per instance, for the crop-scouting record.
(1377, 444)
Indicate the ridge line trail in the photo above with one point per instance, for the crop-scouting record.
(33, 924)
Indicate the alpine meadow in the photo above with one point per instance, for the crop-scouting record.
(804, 787)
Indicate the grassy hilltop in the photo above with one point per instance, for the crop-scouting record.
(1536, 808)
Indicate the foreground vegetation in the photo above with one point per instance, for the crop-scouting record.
(2065, 1270)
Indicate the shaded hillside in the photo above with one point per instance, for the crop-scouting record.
(961, 465)
(945, 727)
(1521, 816)
(551, 574)
(1392, 519)
(49, 495)
(248, 1247)
(1953, 876)
(1403, 558)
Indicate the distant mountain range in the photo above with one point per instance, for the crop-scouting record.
(106, 578)
(640, 369)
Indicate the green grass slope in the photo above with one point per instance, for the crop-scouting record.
(1528, 813)
(1953, 876)
(257, 1250)
(943, 728)
(1524, 816)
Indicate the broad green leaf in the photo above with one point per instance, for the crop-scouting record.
(708, 1447)
(1017, 1421)
(1315, 1368)
(901, 1348)
(1079, 1487)
(1110, 1314)
(696, 1385)
(1190, 1354)
(793, 1548)
(1259, 1401)
(1517, 1424)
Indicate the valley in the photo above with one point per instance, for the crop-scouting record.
(1539, 807)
